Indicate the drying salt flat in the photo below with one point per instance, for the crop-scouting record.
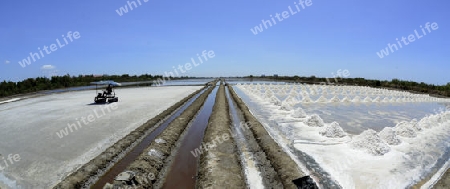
(362, 137)
(32, 128)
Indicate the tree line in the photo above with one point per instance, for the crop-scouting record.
(411, 86)
(8, 88)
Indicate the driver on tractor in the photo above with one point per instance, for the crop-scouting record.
(108, 90)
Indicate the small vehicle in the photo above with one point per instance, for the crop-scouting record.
(108, 95)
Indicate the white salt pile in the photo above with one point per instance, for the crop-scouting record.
(356, 99)
(377, 99)
(274, 100)
(425, 123)
(286, 106)
(335, 99)
(346, 100)
(415, 125)
(299, 113)
(388, 135)
(322, 99)
(291, 100)
(371, 142)
(367, 99)
(405, 129)
(334, 130)
(314, 121)
(306, 99)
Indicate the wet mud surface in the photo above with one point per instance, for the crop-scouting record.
(219, 163)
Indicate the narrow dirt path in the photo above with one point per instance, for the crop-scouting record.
(219, 163)
(285, 167)
(258, 169)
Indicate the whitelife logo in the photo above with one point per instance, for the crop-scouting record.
(11, 158)
(49, 49)
(71, 127)
(411, 38)
(130, 4)
(285, 14)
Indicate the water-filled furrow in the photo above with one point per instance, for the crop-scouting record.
(183, 170)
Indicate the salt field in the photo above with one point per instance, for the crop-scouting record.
(53, 135)
(362, 137)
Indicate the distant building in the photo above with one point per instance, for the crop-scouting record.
(275, 75)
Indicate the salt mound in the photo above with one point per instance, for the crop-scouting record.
(286, 106)
(291, 100)
(333, 131)
(356, 99)
(370, 142)
(345, 99)
(446, 115)
(389, 136)
(425, 123)
(322, 99)
(335, 99)
(306, 99)
(268, 94)
(405, 129)
(293, 93)
(315, 121)
(436, 119)
(367, 99)
(282, 92)
(275, 101)
(377, 99)
(415, 125)
(299, 113)
(304, 93)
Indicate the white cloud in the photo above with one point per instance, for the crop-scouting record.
(48, 67)
(7, 61)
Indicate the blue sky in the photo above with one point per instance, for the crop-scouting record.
(158, 35)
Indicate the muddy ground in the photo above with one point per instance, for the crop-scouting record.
(444, 183)
(88, 173)
(219, 165)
